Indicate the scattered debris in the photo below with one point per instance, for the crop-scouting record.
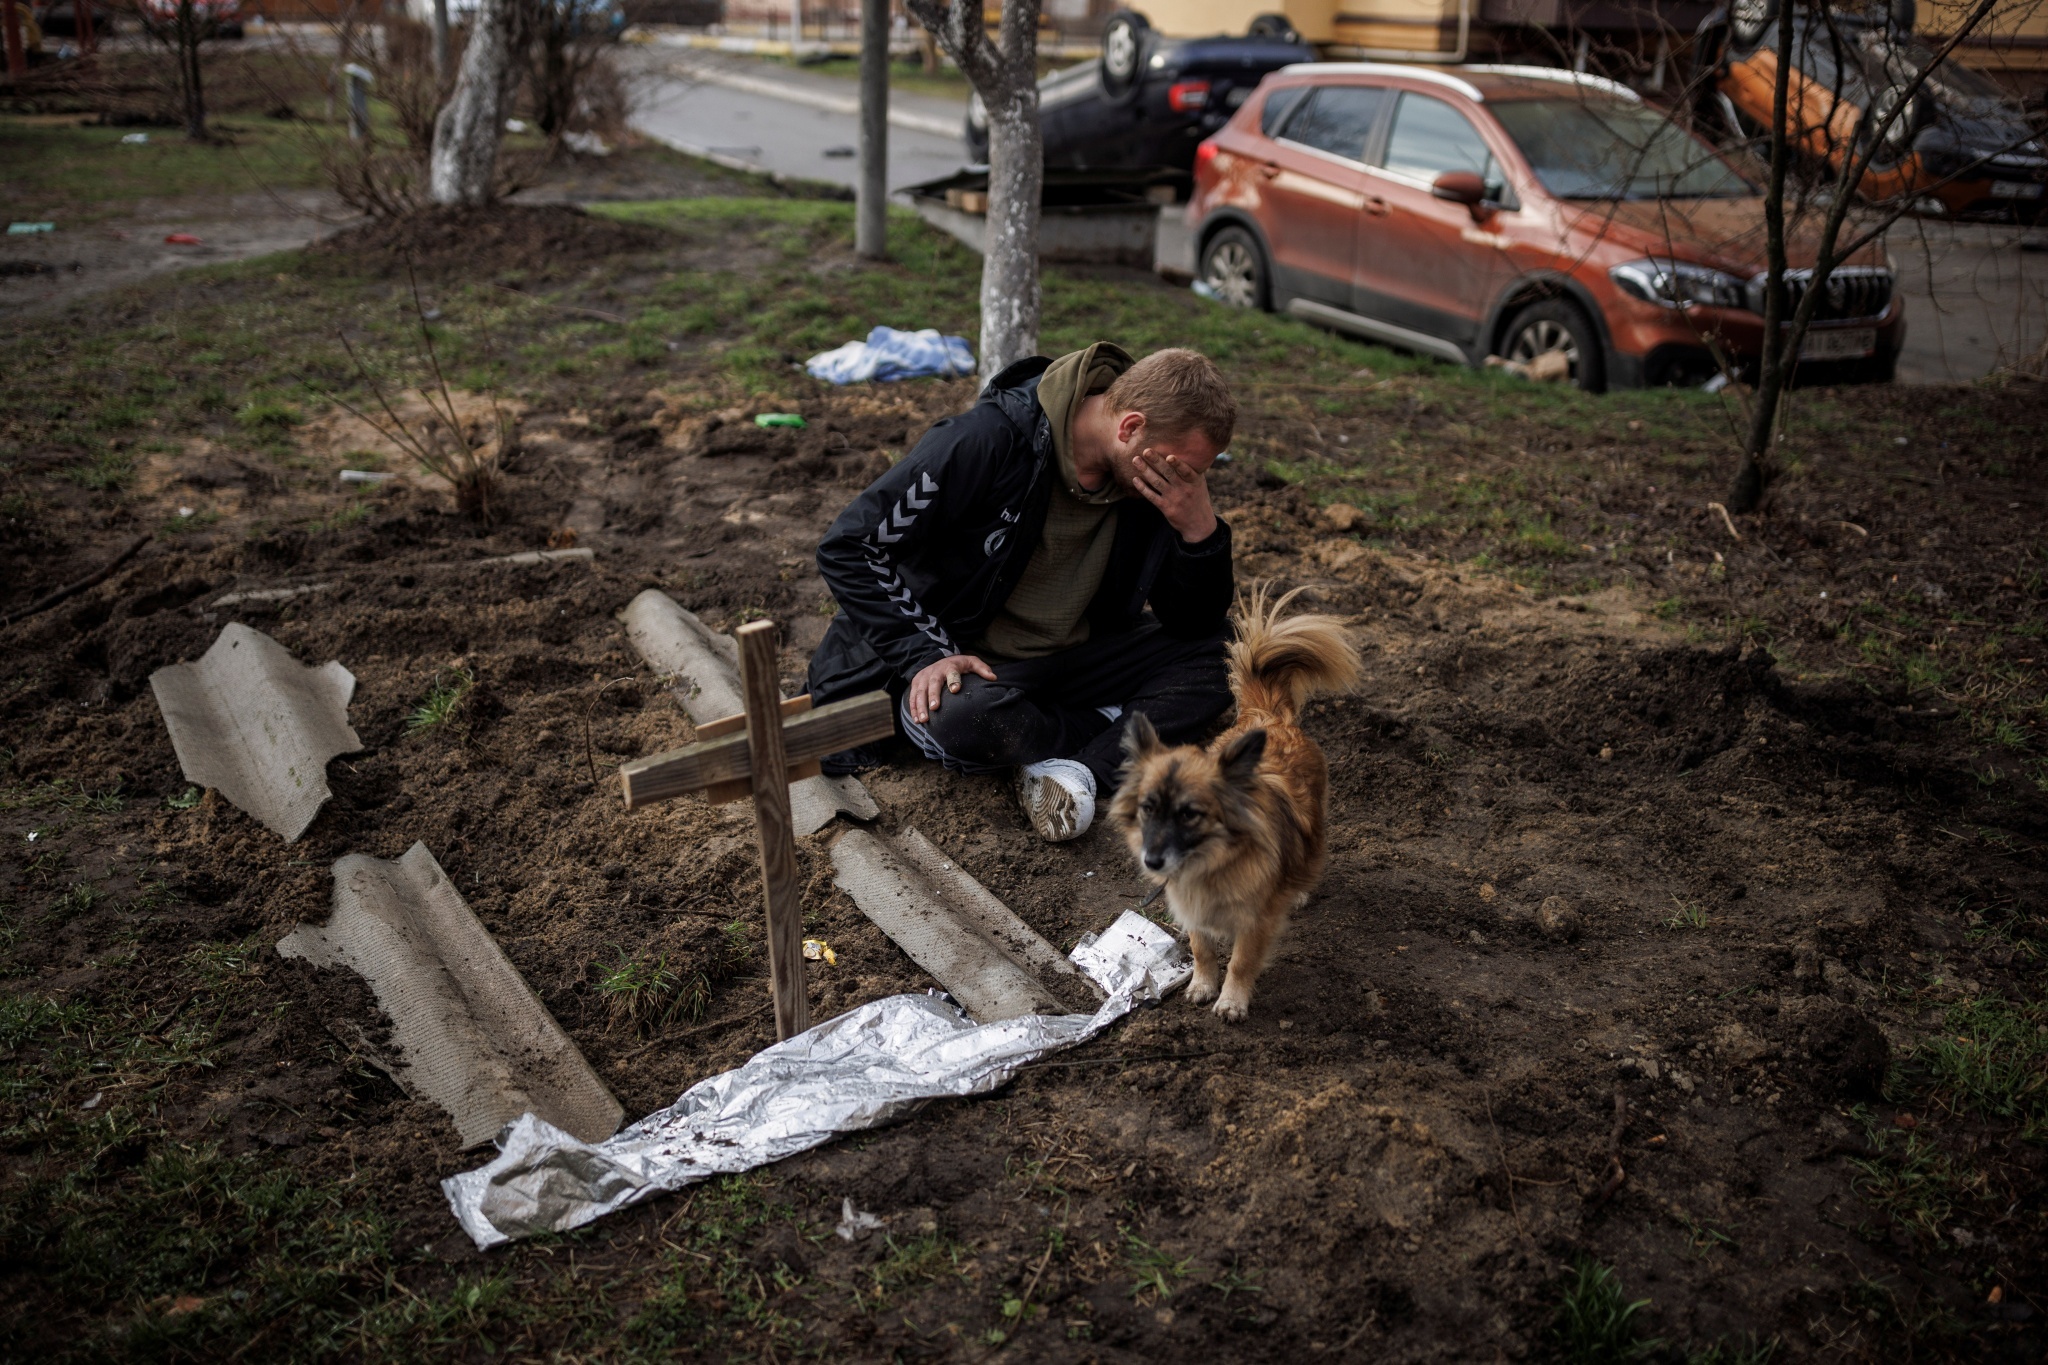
(888, 355)
(817, 950)
(366, 476)
(866, 1068)
(1548, 368)
(970, 942)
(1342, 516)
(586, 144)
(268, 595)
(779, 419)
(855, 1225)
(542, 557)
(251, 722)
(136, 139)
(182, 239)
(1726, 520)
(473, 1036)
(705, 668)
(29, 229)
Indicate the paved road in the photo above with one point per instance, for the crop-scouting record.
(1974, 299)
(786, 121)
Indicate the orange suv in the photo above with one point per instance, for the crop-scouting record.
(1463, 212)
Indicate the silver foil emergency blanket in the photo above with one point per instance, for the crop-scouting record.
(865, 1068)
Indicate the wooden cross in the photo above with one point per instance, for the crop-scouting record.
(759, 753)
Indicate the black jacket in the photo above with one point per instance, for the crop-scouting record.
(922, 560)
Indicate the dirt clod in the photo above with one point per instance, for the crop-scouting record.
(1557, 919)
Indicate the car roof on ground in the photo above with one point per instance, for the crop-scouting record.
(1477, 82)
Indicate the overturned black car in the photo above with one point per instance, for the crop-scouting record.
(1148, 101)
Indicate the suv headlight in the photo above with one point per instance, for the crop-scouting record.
(1678, 284)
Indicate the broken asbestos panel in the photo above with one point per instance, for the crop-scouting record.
(706, 670)
(474, 1037)
(997, 923)
(921, 901)
(256, 725)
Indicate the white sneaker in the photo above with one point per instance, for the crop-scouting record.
(1058, 795)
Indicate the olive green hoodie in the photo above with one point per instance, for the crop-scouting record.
(1048, 609)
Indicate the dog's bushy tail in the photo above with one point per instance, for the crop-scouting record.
(1278, 662)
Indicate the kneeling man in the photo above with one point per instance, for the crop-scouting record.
(1038, 566)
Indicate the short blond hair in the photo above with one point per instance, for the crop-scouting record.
(1178, 391)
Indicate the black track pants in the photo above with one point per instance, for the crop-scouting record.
(1046, 707)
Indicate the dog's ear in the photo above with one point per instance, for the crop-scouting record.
(1140, 739)
(1240, 758)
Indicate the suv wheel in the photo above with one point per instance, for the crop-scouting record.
(1558, 325)
(1235, 269)
(1124, 39)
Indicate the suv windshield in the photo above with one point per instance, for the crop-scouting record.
(1609, 149)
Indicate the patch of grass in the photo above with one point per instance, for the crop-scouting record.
(1732, 1351)
(1687, 915)
(1910, 1181)
(78, 900)
(1703, 1238)
(911, 1262)
(354, 514)
(268, 417)
(75, 175)
(1595, 1323)
(641, 991)
(184, 800)
(443, 701)
(1991, 1058)
(1155, 1271)
(64, 795)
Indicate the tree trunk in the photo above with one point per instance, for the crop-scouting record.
(188, 28)
(1009, 263)
(1006, 78)
(465, 157)
(1757, 468)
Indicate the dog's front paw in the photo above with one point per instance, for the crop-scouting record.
(1233, 1007)
(1201, 992)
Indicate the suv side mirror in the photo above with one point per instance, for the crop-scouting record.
(1461, 187)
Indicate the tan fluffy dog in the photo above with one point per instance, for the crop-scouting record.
(1235, 831)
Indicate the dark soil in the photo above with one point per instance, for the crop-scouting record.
(1396, 1158)
(542, 239)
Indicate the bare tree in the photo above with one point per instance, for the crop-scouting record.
(568, 40)
(1005, 75)
(1785, 327)
(181, 28)
(464, 164)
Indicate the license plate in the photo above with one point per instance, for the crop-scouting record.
(2015, 189)
(1848, 343)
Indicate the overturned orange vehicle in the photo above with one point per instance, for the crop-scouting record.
(1958, 147)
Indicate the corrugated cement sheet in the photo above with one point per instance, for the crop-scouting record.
(473, 1036)
(993, 963)
(704, 666)
(256, 725)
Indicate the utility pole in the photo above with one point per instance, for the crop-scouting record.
(441, 71)
(871, 213)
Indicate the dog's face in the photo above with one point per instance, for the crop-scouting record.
(1180, 807)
